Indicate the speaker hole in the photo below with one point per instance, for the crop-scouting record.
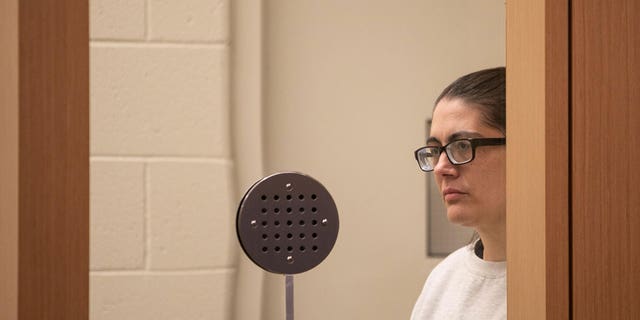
(289, 235)
(302, 222)
(314, 235)
(263, 197)
(276, 223)
(276, 210)
(314, 222)
(265, 236)
(289, 197)
(265, 249)
(302, 236)
(276, 249)
(314, 209)
(289, 222)
(302, 248)
(276, 236)
(276, 197)
(301, 209)
(289, 210)
(264, 210)
(314, 197)
(314, 248)
(264, 223)
(290, 249)
(301, 197)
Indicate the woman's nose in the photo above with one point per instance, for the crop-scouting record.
(444, 166)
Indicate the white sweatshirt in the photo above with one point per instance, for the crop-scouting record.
(463, 286)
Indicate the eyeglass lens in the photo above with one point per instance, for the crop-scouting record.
(458, 152)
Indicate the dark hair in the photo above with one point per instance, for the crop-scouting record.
(484, 89)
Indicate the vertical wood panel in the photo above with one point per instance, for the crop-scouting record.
(537, 160)
(557, 136)
(526, 259)
(9, 159)
(606, 165)
(53, 222)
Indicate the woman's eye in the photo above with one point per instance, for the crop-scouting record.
(432, 152)
(462, 146)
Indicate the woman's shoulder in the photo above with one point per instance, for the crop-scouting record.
(441, 279)
(456, 258)
(454, 262)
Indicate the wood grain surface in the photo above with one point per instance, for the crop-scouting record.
(9, 159)
(606, 159)
(50, 115)
(537, 160)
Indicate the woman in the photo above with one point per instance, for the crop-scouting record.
(466, 153)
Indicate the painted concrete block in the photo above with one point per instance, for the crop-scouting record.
(191, 217)
(117, 215)
(117, 19)
(159, 100)
(192, 296)
(189, 20)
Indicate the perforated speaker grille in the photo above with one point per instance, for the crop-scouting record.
(287, 223)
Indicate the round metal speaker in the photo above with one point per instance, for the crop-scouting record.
(287, 223)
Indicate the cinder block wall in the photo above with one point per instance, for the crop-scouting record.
(161, 173)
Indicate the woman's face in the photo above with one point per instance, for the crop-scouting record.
(474, 193)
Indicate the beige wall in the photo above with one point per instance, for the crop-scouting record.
(343, 90)
(162, 240)
(348, 86)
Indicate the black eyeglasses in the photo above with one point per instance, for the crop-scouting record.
(458, 152)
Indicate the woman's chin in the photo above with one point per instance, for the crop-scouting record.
(459, 218)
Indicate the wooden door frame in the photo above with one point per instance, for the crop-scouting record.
(538, 160)
(44, 162)
(605, 125)
(9, 159)
(45, 159)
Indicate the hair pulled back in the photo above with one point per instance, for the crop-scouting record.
(484, 89)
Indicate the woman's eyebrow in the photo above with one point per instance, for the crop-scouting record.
(455, 136)
(433, 140)
(464, 134)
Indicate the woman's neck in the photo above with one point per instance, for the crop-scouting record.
(495, 244)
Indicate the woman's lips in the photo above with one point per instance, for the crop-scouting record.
(452, 194)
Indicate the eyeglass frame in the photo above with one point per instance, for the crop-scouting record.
(475, 142)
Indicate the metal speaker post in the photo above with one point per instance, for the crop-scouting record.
(287, 223)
